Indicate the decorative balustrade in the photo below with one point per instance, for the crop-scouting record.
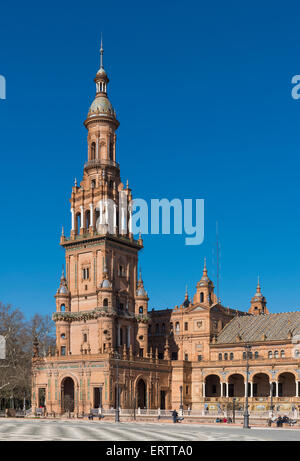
(98, 163)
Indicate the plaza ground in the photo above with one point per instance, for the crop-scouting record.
(74, 430)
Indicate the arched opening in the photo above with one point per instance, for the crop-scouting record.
(141, 310)
(236, 387)
(261, 385)
(78, 223)
(105, 302)
(111, 149)
(212, 386)
(62, 308)
(201, 297)
(93, 151)
(141, 394)
(87, 219)
(286, 385)
(67, 395)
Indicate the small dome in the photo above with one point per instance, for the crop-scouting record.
(106, 284)
(141, 292)
(101, 105)
(101, 72)
(63, 290)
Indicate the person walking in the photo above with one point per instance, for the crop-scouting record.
(174, 416)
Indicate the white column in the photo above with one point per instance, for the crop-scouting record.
(276, 382)
(245, 389)
(106, 212)
(72, 219)
(123, 220)
(130, 217)
(115, 218)
(97, 149)
(81, 217)
(227, 389)
(91, 214)
(221, 389)
(101, 211)
(203, 387)
(297, 388)
(251, 389)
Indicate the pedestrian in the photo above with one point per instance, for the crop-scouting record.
(279, 421)
(174, 416)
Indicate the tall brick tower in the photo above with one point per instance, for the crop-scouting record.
(101, 306)
(101, 254)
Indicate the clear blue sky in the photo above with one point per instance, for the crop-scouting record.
(203, 94)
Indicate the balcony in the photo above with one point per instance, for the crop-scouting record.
(97, 163)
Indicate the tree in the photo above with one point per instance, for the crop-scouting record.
(15, 369)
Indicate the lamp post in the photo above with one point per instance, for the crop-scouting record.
(271, 395)
(233, 410)
(117, 414)
(246, 412)
(181, 405)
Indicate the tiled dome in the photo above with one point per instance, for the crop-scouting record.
(101, 105)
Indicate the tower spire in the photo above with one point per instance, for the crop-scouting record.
(204, 268)
(101, 53)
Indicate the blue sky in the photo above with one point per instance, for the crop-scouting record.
(203, 94)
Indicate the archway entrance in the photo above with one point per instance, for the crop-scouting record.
(67, 394)
(212, 386)
(236, 387)
(286, 385)
(141, 394)
(261, 385)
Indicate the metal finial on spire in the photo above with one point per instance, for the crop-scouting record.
(101, 53)
(204, 268)
(63, 272)
(62, 231)
(186, 292)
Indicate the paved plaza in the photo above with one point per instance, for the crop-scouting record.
(24, 430)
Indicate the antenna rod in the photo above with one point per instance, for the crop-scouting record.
(218, 262)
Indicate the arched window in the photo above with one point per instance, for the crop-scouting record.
(163, 328)
(149, 329)
(93, 183)
(87, 219)
(141, 310)
(78, 222)
(276, 354)
(225, 356)
(177, 326)
(157, 328)
(201, 297)
(62, 308)
(220, 356)
(231, 355)
(270, 354)
(244, 355)
(256, 354)
(282, 353)
(111, 149)
(105, 302)
(93, 151)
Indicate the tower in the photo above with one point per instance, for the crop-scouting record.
(258, 302)
(101, 254)
(205, 290)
